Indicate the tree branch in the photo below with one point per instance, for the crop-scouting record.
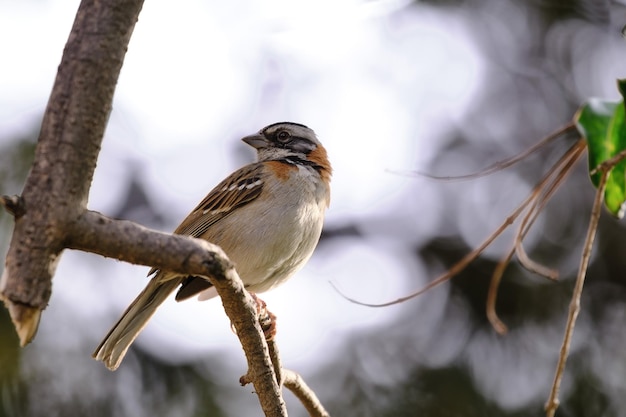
(276, 362)
(130, 242)
(290, 380)
(307, 397)
(51, 213)
(57, 187)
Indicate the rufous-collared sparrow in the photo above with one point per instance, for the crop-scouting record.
(267, 216)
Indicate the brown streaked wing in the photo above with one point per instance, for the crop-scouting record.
(238, 189)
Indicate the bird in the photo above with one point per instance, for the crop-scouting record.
(267, 216)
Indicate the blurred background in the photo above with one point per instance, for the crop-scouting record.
(391, 87)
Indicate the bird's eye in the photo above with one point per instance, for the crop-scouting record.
(283, 136)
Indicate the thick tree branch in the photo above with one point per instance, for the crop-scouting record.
(130, 242)
(57, 188)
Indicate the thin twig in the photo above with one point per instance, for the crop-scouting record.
(572, 157)
(540, 195)
(292, 381)
(609, 163)
(500, 165)
(574, 307)
(454, 270)
(307, 397)
(471, 256)
(492, 294)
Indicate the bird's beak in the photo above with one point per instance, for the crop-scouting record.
(257, 141)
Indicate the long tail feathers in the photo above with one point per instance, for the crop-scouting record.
(114, 346)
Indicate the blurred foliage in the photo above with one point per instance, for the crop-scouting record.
(428, 389)
(423, 365)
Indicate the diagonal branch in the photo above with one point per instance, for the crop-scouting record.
(307, 397)
(500, 165)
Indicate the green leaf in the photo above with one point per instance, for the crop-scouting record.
(602, 124)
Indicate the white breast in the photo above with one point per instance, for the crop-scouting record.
(284, 237)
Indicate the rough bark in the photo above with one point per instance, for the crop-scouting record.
(57, 188)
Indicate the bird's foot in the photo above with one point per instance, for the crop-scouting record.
(267, 319)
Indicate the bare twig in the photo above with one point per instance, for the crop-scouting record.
(561, 171)
(574, 307)
(500, 165)
(454, 270)
(294, 382)
(492, 293)
(307, 397)
(609, 163)
(539, 196)
(475, 253)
